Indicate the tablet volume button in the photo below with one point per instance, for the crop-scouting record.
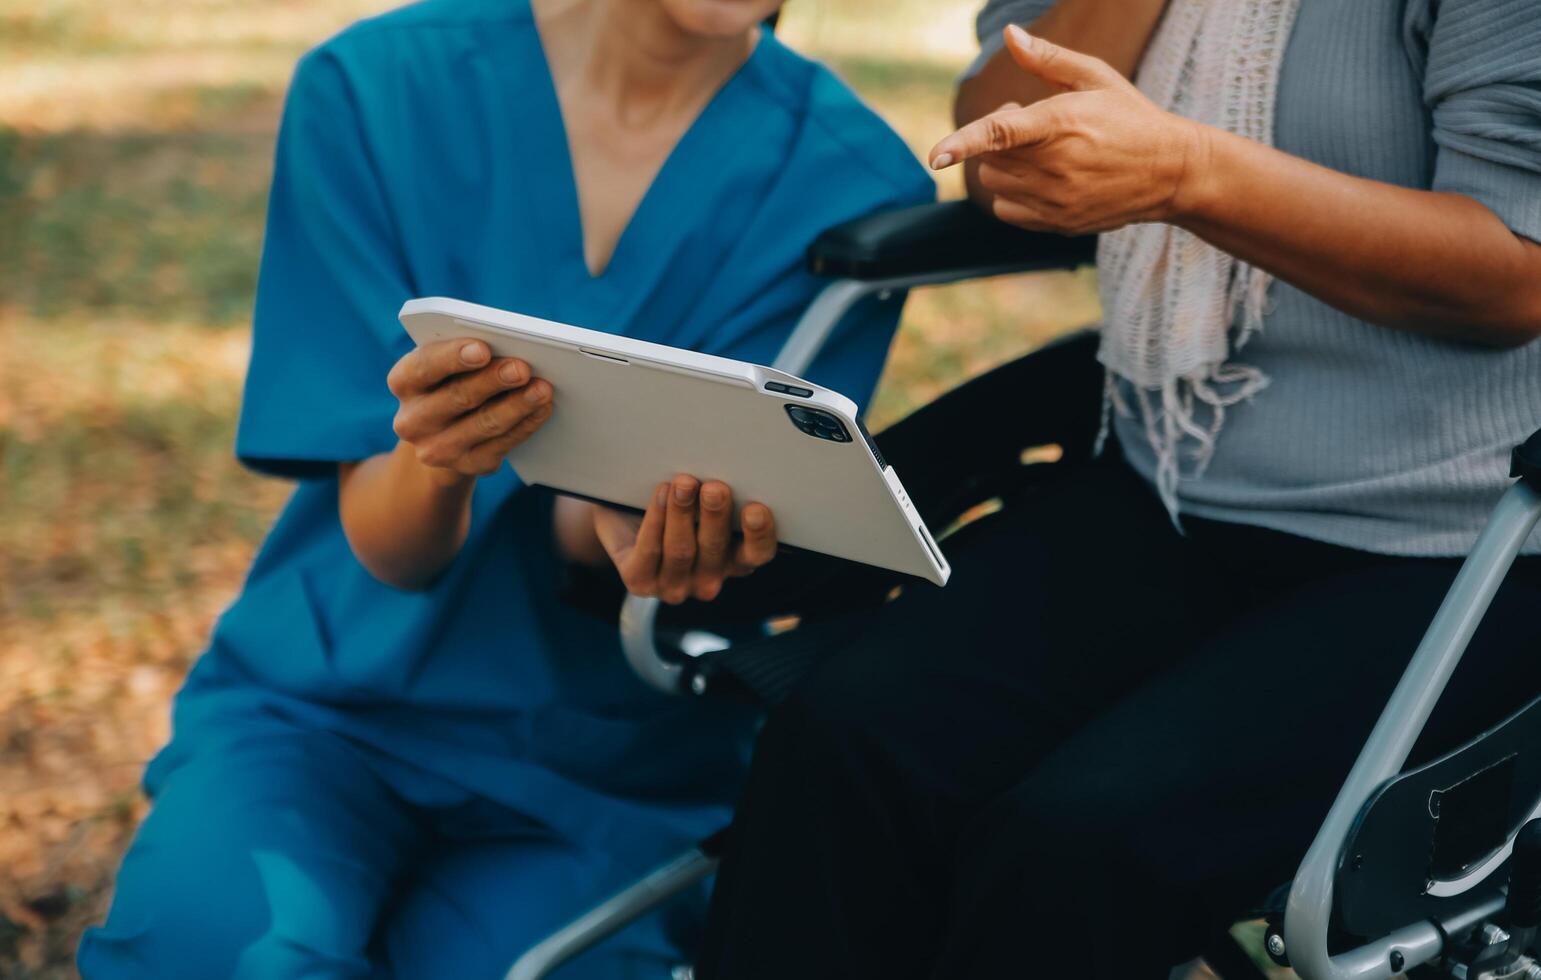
(784, 389)
(612, 358)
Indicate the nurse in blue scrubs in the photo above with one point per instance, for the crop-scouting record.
(403, 754)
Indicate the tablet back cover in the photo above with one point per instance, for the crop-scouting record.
(629, 415)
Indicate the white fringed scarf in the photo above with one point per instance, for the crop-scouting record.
(1169, 299)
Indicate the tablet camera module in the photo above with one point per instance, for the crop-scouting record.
(818, 423)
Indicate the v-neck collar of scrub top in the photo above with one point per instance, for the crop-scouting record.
(652, 234)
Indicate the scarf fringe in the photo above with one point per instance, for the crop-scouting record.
(1178, 309)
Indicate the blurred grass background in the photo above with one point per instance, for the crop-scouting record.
(135, 147)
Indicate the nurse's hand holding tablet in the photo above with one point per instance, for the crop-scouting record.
(462, 410)
(683, 547)
(406, 514)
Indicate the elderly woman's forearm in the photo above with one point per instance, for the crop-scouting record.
(1426, 261)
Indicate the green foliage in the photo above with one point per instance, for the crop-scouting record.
(164, 225)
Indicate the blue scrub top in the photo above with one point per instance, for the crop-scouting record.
(423, 153)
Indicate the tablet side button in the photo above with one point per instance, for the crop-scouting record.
(612, 358)
(783, 389)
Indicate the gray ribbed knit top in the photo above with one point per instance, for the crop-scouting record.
(1369, 437)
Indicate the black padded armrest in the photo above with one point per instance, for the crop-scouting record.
(1526, 461)
(934, 239)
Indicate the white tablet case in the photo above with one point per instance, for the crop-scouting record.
(631, 414)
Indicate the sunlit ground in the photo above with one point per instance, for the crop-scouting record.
(135, 144)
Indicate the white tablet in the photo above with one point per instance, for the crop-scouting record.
(631, 414)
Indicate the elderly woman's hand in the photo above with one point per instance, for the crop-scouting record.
(683, 546)
(1098, 156)
(462, 409)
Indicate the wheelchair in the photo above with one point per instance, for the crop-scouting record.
(1433, 871)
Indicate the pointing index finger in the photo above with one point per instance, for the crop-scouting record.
(1003, 129)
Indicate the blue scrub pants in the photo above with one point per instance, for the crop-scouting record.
(290, 855)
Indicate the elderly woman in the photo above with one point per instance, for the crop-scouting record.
(402, 755)
(1123, 720)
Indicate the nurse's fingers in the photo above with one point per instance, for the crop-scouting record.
(638, 563)
(425, 413)
(714, 539)
(487, 457)
(499, 416)
(430, 364)
(679, 540)
(759, 544)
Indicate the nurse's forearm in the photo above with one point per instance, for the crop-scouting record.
(404, 520)
(1116, 31)
(572, 524)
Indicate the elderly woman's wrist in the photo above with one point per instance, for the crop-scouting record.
(1196, 187)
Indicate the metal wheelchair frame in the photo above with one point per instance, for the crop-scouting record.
(1308, 912)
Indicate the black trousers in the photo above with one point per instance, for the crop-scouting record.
(1102, 742)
